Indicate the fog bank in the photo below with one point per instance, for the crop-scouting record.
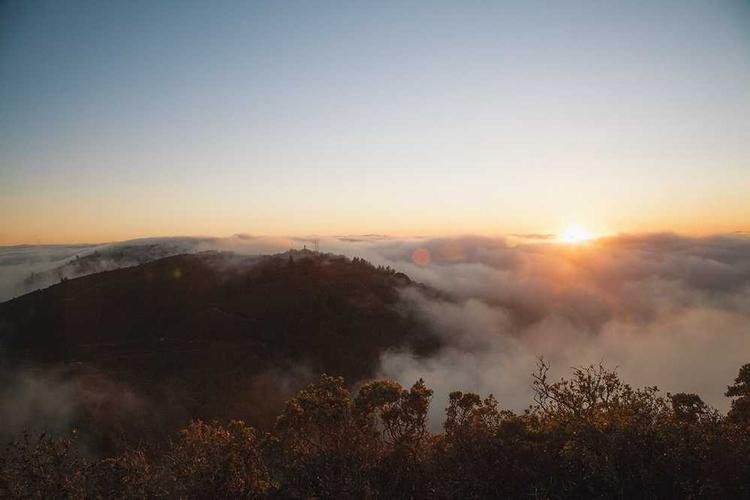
(663, 309)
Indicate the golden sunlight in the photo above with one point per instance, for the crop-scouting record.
(575, 233)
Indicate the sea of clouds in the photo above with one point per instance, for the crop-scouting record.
(662, 309)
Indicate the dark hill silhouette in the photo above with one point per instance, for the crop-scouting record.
(218, 333)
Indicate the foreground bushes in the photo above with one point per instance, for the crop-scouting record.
(589, 436)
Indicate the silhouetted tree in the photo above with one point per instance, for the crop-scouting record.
(740, 391)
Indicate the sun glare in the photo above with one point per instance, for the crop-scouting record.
(575, 234)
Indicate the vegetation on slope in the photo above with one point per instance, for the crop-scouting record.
(589, 436)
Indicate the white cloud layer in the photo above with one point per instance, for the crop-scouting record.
(665, 310)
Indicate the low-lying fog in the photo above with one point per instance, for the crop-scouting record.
(664, 309)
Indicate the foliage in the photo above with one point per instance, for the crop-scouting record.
(740, 390)
(587, 436)
(42, 467)
(213, 461)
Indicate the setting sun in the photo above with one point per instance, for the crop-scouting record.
(575, 234)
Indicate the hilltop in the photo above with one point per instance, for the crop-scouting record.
(214, 334)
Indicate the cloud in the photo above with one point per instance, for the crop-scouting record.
(664, 309)
(35, 400)
(52, 399)
(534, 236)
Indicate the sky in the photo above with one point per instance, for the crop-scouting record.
(132, 119)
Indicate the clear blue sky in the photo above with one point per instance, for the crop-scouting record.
(138, 118)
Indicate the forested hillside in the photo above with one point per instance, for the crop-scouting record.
(211, 335)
